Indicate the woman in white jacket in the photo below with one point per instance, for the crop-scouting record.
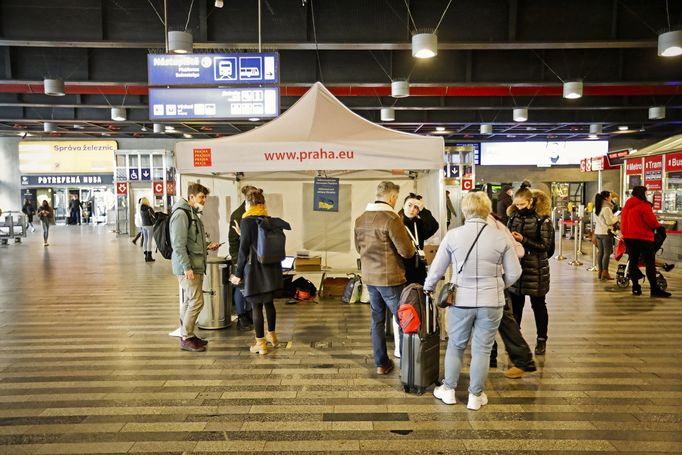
(604, 219)
(492, 265)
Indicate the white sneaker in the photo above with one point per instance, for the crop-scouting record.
(396, 353)
(445, 394)
(475, 402)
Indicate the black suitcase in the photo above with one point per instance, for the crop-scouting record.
(419, 364)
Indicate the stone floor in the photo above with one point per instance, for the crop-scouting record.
(86, 366)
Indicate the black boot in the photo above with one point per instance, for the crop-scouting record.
(146, 257)
(540, 347)
(658, 292)
(243, 323)
(149, 255)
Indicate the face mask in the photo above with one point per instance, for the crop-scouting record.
(525, 211)
(199, 207)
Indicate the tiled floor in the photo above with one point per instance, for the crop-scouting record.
(86, 366)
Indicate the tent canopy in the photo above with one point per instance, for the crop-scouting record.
(317, 133)
(671, 144)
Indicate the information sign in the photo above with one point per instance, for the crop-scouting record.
(145, 174)
(326, 195)
(158, 188)
(133, 174)
(653, 172)
(67, 179)
(618, 157)
(212, 69)
(467, 184)
(673, 162)
(633, 167)
(213, 103)
(122, 188)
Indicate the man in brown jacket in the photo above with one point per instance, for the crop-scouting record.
(382, 241)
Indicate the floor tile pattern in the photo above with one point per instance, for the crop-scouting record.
(86, 367)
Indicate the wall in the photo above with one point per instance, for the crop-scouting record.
(10, 184)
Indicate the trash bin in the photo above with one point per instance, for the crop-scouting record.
(217, 310)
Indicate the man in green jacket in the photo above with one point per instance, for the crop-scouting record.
(190, 250)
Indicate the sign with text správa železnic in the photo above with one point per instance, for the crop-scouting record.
(326, 195)
(67, 157)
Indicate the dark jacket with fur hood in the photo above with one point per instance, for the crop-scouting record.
(538, 241)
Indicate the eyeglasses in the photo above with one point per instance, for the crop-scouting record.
(414, 196)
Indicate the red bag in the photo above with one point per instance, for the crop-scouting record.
(412, 307)
(409, 318)
(620, 250)
(303, 295)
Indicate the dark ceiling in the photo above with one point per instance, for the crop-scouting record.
(493, 55)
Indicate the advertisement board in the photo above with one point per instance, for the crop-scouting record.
(653, 172)
(66, 157)
(540, 153)
(212, 69)
(326, 194)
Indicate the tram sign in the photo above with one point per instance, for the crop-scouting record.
(213, 103)
(213, 69)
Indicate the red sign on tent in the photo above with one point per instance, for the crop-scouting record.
(653, 172)
(633, 167)
(202, 157)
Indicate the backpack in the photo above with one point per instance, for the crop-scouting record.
(271, 245)
(162, 232)
(412, 308)
(353, 289)
(304, 289)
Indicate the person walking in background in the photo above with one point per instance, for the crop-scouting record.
(484, 263)
(638, 223)
(46, 215)
(241, 306)
(188, 239)
(260, 280)
(603, 223)
(29, 211)
(148, 217)
(75, 210)
(138, 223)
(383, 243)
(530, 225)
(504, 200)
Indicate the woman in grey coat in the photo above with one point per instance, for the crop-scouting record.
(492, 265)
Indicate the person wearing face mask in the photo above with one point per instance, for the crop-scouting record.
(188, 239)
(531, 226)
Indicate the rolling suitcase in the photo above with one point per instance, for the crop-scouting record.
(419, 367)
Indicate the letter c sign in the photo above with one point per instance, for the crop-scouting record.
(467, 184)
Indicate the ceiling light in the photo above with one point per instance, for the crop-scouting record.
(77, 126)
(440, 128)
(53, 87)
(49, 127)
(670, 44)
(169, 128)
(400, 89)
(219, 3)
(254, 119)
(595, 128)
(187, 135)
(592, 137)
(623, 128)
(158, 128)
(180, 42)
(118, 114)
(486, 128)
(573, 90)
(657, 113)
(424, 45)
(521, 114)
(387, 114)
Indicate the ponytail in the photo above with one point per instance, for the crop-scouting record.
(599, 199)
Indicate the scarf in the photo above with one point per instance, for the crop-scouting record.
(256, 210)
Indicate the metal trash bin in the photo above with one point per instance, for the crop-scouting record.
(217, 310)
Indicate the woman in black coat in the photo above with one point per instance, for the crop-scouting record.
(260, 281)
(148, 217)
(420, 225)
(530, 225)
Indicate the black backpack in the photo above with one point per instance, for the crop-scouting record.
(162, 232)
(271, 245)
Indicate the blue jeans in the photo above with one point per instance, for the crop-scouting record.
(483, 322)
(380, 298)
(241, 306)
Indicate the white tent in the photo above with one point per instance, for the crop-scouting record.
(317, 133)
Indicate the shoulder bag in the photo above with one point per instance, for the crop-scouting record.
(448, 294)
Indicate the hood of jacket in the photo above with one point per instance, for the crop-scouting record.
(633, 202)
(542, 206)
(181, 204)
(269, 223)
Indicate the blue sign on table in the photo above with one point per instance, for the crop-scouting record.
(145, 174)
(326, 195)
(213, 103)
(133, 174)
(212, 69)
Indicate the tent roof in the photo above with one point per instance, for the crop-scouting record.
(671, 144)
(316, 122)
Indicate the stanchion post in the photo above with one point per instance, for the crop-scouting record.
(575, 262)
(561, 256)
(580, 236)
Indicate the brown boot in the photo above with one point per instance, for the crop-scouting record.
(605, 275)
(261, 346)
(599, 276)
(271, 337)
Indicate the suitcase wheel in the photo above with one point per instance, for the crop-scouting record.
(420, 392)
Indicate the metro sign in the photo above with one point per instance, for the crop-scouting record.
(122, 188)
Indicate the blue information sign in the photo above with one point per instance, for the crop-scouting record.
(212, 69)
(213, 103)
(326, 195)
(145, 174)
(471, 147)
(133, 174)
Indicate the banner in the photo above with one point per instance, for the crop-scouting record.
(66, 157)
(326, 195)
(653, 172)
(633, 167)
(673, 162)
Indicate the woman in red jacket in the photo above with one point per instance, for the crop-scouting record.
(638, 223)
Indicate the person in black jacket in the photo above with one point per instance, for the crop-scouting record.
(530, 225)
(29, 211)
(260, 281)
(148, 217)
(504, 200)
(241, 307)
(420, 225)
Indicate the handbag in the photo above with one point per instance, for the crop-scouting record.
(448, 294)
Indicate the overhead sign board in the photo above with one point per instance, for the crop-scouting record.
(62, 157)
(212, 69)
(618, 157)
(213, 103)
(67, 179)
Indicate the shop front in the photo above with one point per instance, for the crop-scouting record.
(75, 177)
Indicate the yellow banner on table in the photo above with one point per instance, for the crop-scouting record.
(60, 157)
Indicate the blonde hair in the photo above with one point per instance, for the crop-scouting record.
(144, 201)
(476, 204)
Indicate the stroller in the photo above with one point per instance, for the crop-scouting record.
(623, 272)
